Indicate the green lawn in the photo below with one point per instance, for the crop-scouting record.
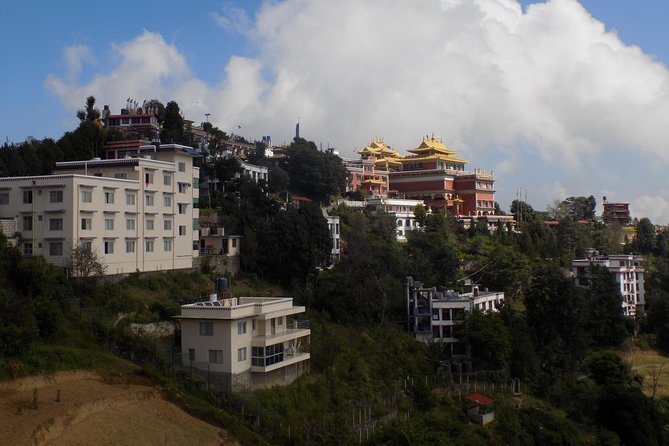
(653, 367)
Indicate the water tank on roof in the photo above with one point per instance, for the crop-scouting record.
(221, 284)
(213, 297)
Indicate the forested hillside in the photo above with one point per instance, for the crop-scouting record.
(370, 381)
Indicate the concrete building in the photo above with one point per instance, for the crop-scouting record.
(616, 213)
(136, 214)
(136, 122)
(334, 226)
(246, 342)
(402, 210)
(434, 315)
(629, 274)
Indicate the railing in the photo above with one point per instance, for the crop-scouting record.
(301, 324)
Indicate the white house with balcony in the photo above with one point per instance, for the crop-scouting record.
(249, 342)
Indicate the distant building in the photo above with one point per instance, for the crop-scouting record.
(629, 274)
(246, 343)
(334, 223)
(432, 173)
(402, 210)
(616, 213)
(135, 122)
(434, 315)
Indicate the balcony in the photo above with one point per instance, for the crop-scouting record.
(293, 330)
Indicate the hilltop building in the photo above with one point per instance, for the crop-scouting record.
(135, 122)
(246, 343)
(629, 274)
(136, 213)
(432, 173)
(616, 213)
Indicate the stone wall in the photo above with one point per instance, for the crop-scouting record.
(220, 264)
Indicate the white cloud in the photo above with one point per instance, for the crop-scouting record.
(550, 83)
(233, 19)
(147, 67)
(655, 207)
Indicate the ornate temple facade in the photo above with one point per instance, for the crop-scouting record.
(431, 172)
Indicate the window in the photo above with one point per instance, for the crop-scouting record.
(56, 196)
(196, 224)
(241, 354)
(182, 208)
(183, 187)
(149, 199)
(27, 196)
(279, 320)
(109, 224)
(4, 198)
(130, 224)
(86, 196)
(109, 246)
(27, 249)
(167, 201)
(86, 245)
(167, 224)
(55, 224)
(167, 179)
(27, 223)
(130, 199)
(206, 329)
(241, 328)
(167, 245)
(121, 176)
(149, 246)
(196, 202)
(109, 197)
(196, 183)
(216, 356)
(266, 356)
(191, 354)
(148, 177)
(182, 166)
(86, 224)
(182, 229)
(129, 246)
(56, 249)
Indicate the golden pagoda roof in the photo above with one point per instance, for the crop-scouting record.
(432, 145)
(378, 149)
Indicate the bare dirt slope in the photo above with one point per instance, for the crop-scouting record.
(83, 408)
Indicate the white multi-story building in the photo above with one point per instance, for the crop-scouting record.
(433, 315)
(628, 271)
(136, 214)
(251, 342)
(402, 209)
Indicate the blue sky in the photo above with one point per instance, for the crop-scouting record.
(555, 101)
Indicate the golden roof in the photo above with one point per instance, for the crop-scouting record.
(378, 149)
(432, 145)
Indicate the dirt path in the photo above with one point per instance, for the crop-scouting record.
(82, 408)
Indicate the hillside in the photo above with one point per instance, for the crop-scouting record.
(80, 407)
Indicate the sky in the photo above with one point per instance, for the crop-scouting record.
(559, 97)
